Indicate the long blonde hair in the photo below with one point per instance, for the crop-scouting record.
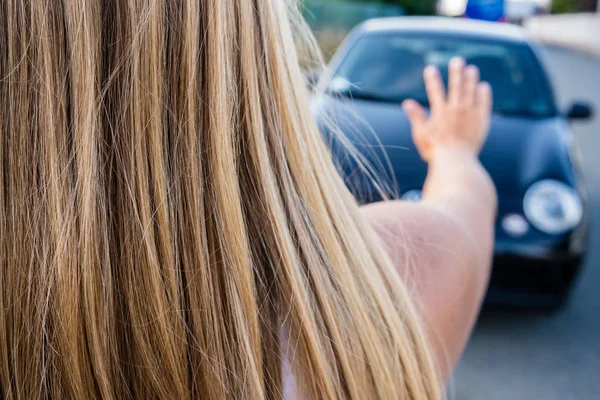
(170, 211)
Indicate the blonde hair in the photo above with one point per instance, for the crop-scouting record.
(169, 211)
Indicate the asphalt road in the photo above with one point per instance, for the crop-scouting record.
(527, 355)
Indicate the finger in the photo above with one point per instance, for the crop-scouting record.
(483, 96)
(471, 82)
(456, 70)
(416, 113)
(434, 86)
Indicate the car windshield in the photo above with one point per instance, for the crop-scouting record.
(388, 68)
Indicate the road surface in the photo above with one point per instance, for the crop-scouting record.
(526, 355)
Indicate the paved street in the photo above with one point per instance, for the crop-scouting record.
(524, 355)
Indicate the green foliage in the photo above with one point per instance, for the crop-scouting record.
(565, 6)
(344, 15)
(414, 7)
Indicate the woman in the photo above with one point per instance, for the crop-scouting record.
(173, 227)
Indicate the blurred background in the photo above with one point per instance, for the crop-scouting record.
(569, 22)
(516, 352)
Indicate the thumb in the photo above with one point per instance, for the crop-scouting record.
(416, 113)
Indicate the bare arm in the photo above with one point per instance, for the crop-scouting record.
(449, 235)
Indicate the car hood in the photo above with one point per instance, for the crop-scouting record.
(519, 151)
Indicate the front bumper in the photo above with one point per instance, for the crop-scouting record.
(532, 275)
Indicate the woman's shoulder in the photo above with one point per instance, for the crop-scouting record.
(435, 257)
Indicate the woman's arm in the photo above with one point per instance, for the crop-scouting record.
(449, 235)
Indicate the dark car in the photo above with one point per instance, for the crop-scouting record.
(531, 154)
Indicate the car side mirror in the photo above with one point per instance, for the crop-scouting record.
(312, 78)
(580, 111)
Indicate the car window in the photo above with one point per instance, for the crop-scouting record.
(389, 68)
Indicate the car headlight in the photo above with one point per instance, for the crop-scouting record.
(413, 196)
(553, 207)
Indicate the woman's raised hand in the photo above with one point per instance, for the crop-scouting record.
(459, 119)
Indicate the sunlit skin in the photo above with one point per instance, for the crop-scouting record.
(450, 233)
